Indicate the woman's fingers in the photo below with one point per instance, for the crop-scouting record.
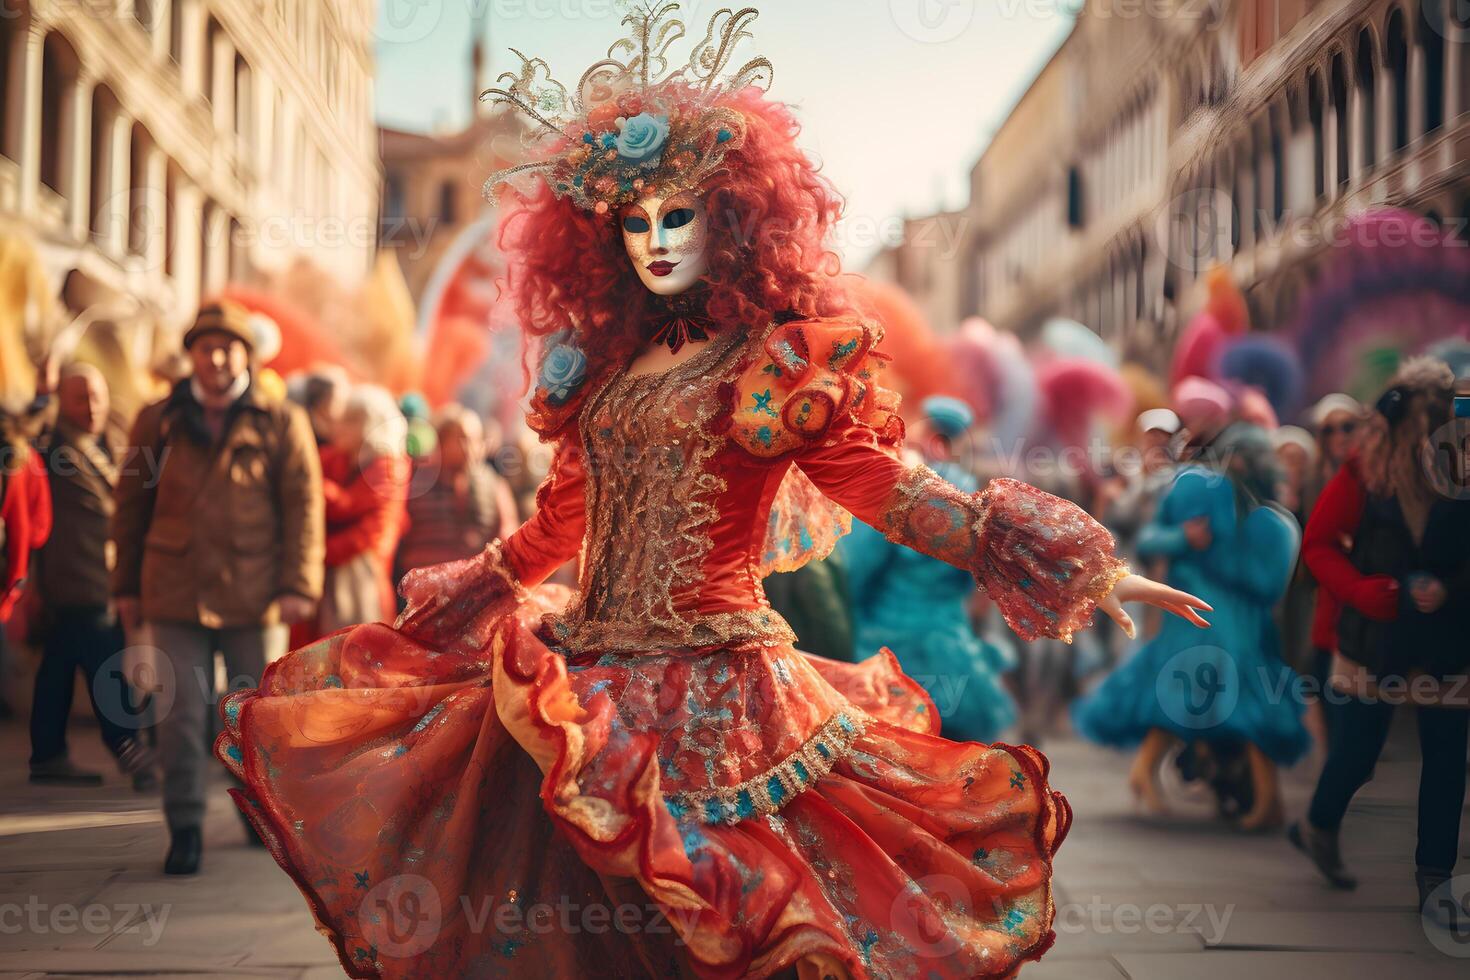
(1187, 612)
(1136, 588)
(1119, 615)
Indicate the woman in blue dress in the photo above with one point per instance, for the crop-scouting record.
(920, 608)
(1226, 688)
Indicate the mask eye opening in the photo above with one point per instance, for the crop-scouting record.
(635, 224)
(678, 218)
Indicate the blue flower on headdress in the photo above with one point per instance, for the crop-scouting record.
(563, 368)
(642, 137)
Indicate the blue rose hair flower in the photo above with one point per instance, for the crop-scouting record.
(563, 369)
(642, 137)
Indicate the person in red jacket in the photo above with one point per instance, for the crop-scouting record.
(25, 512)
(365, 482)
(1392, 559)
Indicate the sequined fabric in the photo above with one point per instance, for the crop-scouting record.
(654, 741)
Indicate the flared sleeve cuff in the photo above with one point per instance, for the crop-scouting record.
(457, 604)
(1043, 560)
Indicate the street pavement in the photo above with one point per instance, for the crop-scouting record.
(82, 894)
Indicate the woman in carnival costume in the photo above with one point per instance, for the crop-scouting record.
(918, 607)
(645, 777)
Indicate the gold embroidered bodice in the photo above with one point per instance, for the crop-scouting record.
(657, 503)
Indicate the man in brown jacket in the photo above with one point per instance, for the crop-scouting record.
(76, 621)
(219, 533)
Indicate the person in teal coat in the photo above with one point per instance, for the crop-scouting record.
(919, 608)
(1226, 688)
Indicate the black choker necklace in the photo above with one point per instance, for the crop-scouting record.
(678, 320)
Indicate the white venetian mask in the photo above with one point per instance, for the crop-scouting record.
(667, 239)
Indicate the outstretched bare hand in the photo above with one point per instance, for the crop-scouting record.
(1136, 588)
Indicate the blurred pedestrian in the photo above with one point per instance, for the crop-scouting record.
(1228, 543)
(465, 505)
(25, 509)
(1298, 455)
(1394, 556)
(322, 392)
(219, 540)
(365, 483)
(1336, 420)
(75, 620)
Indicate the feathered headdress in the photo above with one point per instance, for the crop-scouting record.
(631, 127)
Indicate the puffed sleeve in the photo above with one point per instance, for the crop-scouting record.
(457, 603)
(814, 394)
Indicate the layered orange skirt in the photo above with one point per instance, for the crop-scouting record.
(492, 808)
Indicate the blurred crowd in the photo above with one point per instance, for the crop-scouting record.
(169, 557)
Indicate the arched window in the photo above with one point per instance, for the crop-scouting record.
(1430, 38)
(1340, 116)
(1396, 57)
(58, 77)
(1319, 145)
(244, 106)
(104, 106)
(1277, 122)
(171, 222)
(1368, 117)
(12, 29)
(448, 202)
(140, 217)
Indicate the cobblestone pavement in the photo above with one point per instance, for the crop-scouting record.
(81, 892)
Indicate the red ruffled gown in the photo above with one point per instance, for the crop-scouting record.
(645, 777)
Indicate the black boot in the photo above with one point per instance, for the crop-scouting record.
(1437, 903)
(61, 771)
(185, 849)
(1321, 847)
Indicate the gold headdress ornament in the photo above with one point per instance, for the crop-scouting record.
(631, 127)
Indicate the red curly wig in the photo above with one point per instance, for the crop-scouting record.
(770, 215)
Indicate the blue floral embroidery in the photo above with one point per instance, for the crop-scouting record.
(1013, 920)
(361, 878)
(763, 402)
(1018, 780)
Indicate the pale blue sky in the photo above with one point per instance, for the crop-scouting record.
(896, 97)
